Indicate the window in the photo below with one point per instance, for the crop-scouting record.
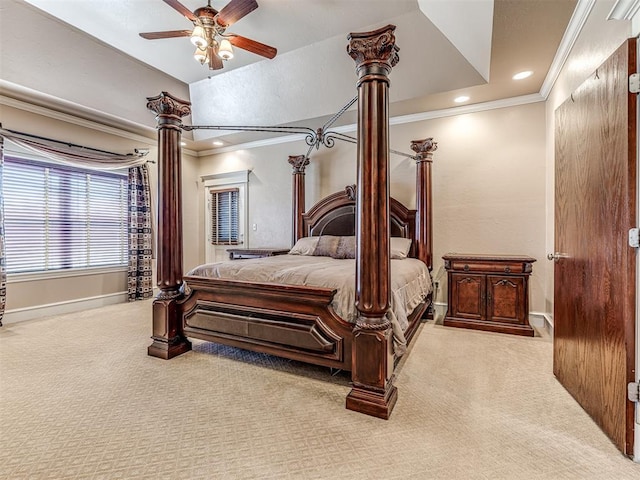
(224, 208)
(59, 217)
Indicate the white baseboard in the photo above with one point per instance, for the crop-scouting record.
(542, 320)
(58, 308)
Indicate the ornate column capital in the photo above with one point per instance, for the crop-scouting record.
(166, 104)
(375, 52)
(424, 149)
(298, 162)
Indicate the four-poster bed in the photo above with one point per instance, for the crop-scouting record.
(299, 321)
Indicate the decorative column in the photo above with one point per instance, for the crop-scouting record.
(424, 229)
(298, 163)
(168, 338)
(373, 393)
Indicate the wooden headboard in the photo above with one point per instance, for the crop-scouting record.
(336, 215)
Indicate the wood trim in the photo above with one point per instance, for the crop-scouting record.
(424, 225)
(373, 393)
(402, 220)
(299, 163)
(168, 338)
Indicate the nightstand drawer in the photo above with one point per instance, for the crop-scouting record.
(493, 267)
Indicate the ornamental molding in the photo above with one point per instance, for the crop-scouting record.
(167, 104)
(424, 149)
(298, 162)
(377, 46)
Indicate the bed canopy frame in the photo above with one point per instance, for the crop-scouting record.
(319, 336)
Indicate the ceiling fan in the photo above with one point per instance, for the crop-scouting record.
(209, 35)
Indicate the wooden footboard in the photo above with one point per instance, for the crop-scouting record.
(294, 322)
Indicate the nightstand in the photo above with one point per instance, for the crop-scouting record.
(241, 253)
(489, 292)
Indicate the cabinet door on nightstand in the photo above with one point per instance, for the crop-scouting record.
(505, 300)
(467, 296)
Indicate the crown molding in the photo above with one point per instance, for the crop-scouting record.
(28, 100)
(477, 107)
(624, 10)
(576, 23)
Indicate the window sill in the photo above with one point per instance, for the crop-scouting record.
(75, 272)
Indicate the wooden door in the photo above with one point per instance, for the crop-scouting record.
(595, 206)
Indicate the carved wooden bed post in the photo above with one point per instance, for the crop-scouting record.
(373, 392)
(424, 233)
(298, 163)
(168, 338)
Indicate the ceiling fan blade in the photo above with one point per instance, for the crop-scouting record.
(215, 62)
(235, 10)
(252, 46)
(181, 9)
(167, 34)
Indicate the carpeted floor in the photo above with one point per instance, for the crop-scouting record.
(80, 398)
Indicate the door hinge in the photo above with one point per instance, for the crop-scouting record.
(634, 237)
(633, 389)
(634, 83)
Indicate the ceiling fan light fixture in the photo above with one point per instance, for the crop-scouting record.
(200, 56)
(199, 37)
(225, 51)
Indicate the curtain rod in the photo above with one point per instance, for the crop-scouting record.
(69, 144)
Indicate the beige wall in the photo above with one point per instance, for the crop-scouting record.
(493, 178)
(489, 183)
(598, 39)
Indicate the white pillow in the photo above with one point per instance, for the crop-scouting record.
(305, 246)
(400, 247)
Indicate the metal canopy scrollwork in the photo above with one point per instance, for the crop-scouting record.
(320, 137)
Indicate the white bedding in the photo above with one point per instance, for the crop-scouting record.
(410, 282)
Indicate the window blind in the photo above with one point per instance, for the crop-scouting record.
(225, 216)
(59, 217)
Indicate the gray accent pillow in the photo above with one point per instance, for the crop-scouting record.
(346, 248)
(327, 246)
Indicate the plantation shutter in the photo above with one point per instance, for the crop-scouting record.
(60, 217)
(225, 216)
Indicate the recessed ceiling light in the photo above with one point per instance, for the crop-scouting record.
(522, 75)
(218, 143)
(461, 98)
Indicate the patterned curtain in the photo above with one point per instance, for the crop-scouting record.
(140, 236)
(3, 270)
